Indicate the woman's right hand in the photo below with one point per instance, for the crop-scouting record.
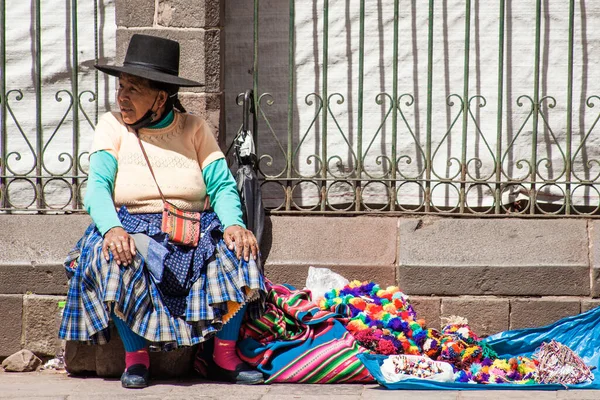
(120, 244)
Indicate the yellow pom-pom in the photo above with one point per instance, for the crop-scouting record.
(502, 364)
(469, 351)
(390, 308)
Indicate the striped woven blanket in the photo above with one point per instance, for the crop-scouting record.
(294, 341)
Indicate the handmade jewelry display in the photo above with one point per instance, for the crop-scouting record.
(399, 367)
(559, 364)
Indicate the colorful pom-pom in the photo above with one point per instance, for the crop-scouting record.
(383, 321)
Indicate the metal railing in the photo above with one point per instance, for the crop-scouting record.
(436, 177)
(42, 165)
(341, 181)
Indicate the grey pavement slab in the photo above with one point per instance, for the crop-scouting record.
(52, 385)
(377, 392)
(578, 395)
(504, 395)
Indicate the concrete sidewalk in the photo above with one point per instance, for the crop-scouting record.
(55, 386)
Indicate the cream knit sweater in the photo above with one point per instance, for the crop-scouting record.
(177, 153)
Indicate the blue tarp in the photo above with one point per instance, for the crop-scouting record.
(581, 333)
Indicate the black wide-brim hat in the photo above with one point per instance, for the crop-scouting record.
(153, 58)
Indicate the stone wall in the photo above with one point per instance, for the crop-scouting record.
(498, 273)
(197, 26)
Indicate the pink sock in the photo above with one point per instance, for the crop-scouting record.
(137, 357)
(225, 355)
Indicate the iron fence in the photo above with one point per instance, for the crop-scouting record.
(443, 177)
(459, 166)
(48, 104)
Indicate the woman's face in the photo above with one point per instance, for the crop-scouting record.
(136, 97)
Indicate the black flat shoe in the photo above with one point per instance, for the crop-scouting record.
(243, 375)
(135, 377)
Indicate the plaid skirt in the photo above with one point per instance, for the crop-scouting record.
(211, 277)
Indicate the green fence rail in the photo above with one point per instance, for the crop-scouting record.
(28, 142)
(541, 187)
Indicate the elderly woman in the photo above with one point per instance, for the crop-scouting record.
(158, 291)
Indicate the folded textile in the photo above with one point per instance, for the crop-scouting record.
(294, 341)
(153, 253)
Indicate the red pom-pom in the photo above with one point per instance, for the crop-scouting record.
(358, 303)
(373, 308)
(385, 347)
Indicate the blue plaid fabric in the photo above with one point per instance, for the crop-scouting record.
(185, 307)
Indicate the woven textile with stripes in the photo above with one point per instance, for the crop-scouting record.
(294, 341)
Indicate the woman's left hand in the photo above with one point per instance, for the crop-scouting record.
(242, 240)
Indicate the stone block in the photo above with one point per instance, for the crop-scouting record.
(110, 357)
(80, 358)
(493, 257)
(296, 275)
(486, 315)
(186, 14)
(427, 308)
(11, 312)
(22, 361)
(594, 237)
(193, 59)
(134, 13)
(108, 360)
(39, 239)
(494, 280)
(40, 329)
(528, 313)
(207, 106)
(588, 304)
(213, 60)
(330, 241)
(172, 364)
(33, 278)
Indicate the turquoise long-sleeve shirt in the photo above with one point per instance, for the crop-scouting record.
(98, 202)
